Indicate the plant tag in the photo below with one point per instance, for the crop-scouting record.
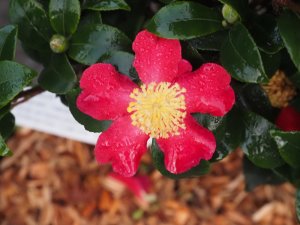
(47, 113)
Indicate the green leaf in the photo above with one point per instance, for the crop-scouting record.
(129, 22)
(13, 78)
(241, 6)
(271, 62)
(121, 60)
(289, 146)
(88, 122)
(158, 160)
(58, 76)
(229, 134)
(255, 176)
(259, 146)
(90, 43)
(4, 150)
(90, 18)
(8, 41)
(298, 204)
(265, 32)
(7, 125)
(208, 121)
(256, 100)
(185, 20)
(243, 65)
(4, 110)
(39, 55)
(64, 16)
(211, 42)
(289, 28)
(288, 173)
(218, 126)
(106, 5)
(228, 131)
(33, 24)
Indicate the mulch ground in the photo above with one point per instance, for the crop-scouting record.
(55, 181)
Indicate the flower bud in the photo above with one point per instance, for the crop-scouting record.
(59, 43)
(230, 14)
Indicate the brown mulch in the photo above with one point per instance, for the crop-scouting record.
(55, 181)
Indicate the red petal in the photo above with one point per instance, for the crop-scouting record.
(184, 67)
(288, 119)
(208, 90)
(156, 59)
(184, 151)
(123, 145)
(105, 92)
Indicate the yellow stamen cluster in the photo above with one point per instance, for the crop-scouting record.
(158, 109)
(280, 90)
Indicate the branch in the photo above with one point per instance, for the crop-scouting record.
(26, 95)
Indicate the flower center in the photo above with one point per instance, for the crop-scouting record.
(158, 109)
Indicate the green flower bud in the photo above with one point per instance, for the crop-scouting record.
(59, 43)
(229, 14)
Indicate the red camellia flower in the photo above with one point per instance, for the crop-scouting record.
(288, 119)
(160, 108)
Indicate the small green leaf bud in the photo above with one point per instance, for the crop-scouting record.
(229, 14)
(59, 43)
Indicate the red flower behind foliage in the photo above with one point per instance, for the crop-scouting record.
(288, 119)
(160, 108)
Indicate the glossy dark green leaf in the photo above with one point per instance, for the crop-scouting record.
(33, 24)
(208, 121)
(158, 161)
(185, 20)
(130, 22)
(289, 146)
(90, 17)
(265, 32)
(106, 5)
(255, 176)
(271, 62)
(39, 55)
(13, 78)
(228, 131)
(8, 41)
(289, 28)
(7, 125)
(229, 134)
(4, 110)
(259, 146)
(211, 42)
(4, 150)
(191, 54)
(243, 65)
(91, 42)
(288, 173)
(298, 204)
(88, 122)
(241, 6)
(256, 100)
(58, 76)
(218, 126)
(64, 16)
(121, 60)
